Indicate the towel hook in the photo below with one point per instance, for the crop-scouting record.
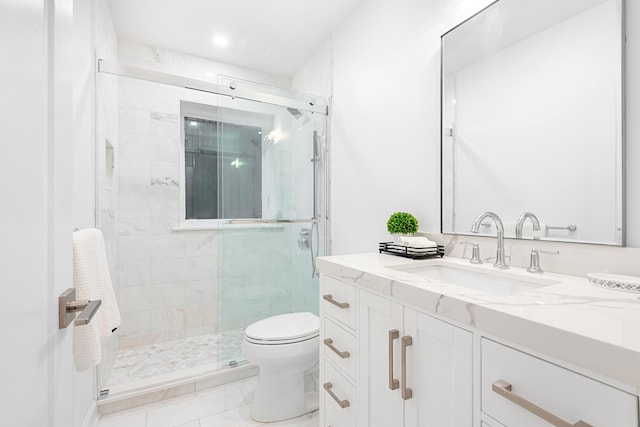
(67, 307)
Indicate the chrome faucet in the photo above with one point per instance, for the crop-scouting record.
(500, 263)
(520, 224)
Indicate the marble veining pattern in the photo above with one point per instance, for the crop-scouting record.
(165, 181)
(171, 357)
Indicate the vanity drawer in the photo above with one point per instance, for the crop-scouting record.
(339, 300)
(340, 346)
(538, 385)
(339, 399)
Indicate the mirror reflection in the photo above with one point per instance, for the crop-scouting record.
(532, 120)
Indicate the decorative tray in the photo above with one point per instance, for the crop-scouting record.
(615, 282)
(409, 251)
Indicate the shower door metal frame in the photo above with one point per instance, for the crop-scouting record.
(313, 104)
(310, 103)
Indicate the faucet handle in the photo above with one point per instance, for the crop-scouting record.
(534, 264)
(475, 251)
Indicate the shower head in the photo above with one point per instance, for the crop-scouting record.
(295, 112)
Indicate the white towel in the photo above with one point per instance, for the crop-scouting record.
(87, 351)
(92, 281)
(417, 242)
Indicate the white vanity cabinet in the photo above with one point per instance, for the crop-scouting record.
(338, 353)
(384, 363)
(519, 389)
(415, 370)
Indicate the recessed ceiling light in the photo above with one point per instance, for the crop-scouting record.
(193, 123)
(221, 41)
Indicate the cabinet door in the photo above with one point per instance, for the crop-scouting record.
(519, 389)
(379, 405)
(439, 370)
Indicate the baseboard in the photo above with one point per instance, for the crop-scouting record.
(91, 418)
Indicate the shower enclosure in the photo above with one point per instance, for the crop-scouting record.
(211, 200)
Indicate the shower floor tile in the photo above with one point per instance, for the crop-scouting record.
(174, 358)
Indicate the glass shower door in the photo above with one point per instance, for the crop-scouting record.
(270, 185)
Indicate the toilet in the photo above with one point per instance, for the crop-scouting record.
(286, 349)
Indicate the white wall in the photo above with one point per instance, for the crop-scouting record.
(83, 116)
(41, 386)
(384, 63)
(172, 62)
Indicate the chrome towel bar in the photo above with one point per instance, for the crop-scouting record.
(68, 306)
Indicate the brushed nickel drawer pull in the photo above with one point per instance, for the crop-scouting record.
(394, 334)
(342, 403)
(329, 298)
(407, 393)
(503, 388)
(343, 354)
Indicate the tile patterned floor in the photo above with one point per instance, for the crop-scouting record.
(171, 357)
(224, 406)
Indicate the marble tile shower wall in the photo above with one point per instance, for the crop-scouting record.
(256, 274)
(168, 279)
(171, 282)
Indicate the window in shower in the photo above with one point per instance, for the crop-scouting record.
(222, 162)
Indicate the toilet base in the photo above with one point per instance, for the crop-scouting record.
(292, 399)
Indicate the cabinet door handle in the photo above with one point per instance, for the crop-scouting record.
(342, 403)
(394, 334)
(503, 388)
(329, 298)
(407, 393)
(329, 343)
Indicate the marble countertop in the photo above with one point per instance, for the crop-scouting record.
(565, 317)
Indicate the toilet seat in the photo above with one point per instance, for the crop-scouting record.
(283, 329)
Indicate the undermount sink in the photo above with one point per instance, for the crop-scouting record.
(491, 282)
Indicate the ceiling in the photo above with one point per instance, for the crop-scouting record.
(274, 36)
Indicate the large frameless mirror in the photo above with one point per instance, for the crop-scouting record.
(532, 119)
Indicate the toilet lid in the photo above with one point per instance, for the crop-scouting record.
(284, 327)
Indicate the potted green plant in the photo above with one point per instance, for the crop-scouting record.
(402, 224)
